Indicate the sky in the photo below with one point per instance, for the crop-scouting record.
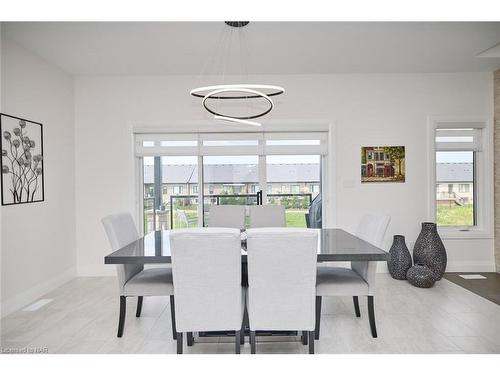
(454, 157)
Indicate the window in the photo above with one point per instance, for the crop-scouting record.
(234, 176)
(314, 188)
(178, 189)
(295, 171)
(149, 191)
(461, 189)
(464, 188)
(455, 174)
(230, 168)
(165, 178)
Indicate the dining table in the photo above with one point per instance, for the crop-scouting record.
(334, 245)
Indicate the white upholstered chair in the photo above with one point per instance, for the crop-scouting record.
(227, 216)
(282, 281)
(133, 279)
(267, 216)
(206, 264)
(359, 280)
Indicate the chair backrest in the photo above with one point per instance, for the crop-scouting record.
(372, 228)
(282, 278)
(121, 231)
(227, 216)
(181, 215)
(206, 266)
(314, 220)
(267, 216)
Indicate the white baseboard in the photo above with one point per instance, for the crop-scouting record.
(28, 296)
(99, 270)
(470, 267)
(451, 267)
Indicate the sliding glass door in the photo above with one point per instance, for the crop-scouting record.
(229, 180)
(170, 192)
(184, 174)
(293, 181)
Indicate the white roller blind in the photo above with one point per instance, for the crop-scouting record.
(458, 139)
(166, 144)
(231, 143)
(312, 143)
(255, 143)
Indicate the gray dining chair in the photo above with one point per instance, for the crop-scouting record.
(206, 264)
(133, 279)
(267, 216)
(359, 280)
(227, 216)
(282, 281)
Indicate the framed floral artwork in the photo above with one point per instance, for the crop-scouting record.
(22, 160)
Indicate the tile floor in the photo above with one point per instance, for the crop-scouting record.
(82, 318)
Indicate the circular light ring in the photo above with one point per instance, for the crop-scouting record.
(201, 92)
(255, 93)
(238, 121)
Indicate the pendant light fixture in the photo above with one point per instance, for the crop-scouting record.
(248, 92)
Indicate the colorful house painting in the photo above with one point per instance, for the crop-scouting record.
(383, 164)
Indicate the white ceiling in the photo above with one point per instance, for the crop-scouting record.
(160, 48)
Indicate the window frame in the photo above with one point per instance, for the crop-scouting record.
(483, 175)
(189, 130)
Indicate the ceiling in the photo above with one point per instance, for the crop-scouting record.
(162, 48)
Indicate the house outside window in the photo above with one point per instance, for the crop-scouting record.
(314, 188)
(149, 191)
(464, 188)
(178, 189)
(461, 207)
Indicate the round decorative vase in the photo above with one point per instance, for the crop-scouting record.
(399, 259)
(429, 250)
(421, 276)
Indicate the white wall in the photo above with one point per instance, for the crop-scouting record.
(38, 239)
(1, 208)
(367, 110)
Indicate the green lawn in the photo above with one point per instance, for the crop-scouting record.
(455, 215)
(296, 218)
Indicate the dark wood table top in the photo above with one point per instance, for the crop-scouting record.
(334, 245)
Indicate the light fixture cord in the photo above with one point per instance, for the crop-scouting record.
(211, 61)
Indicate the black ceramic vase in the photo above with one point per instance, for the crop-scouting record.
(429, 250)
(399, 259)
(421, 276)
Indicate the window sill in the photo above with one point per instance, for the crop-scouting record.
(460, 234)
